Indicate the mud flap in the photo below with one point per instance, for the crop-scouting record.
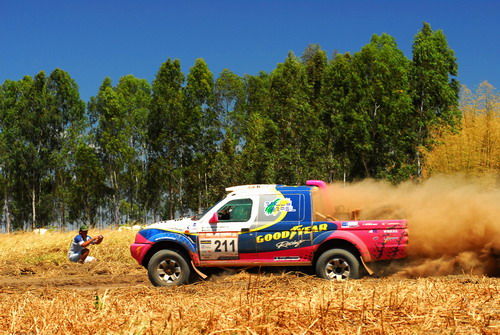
(198, 272)
(370, 271)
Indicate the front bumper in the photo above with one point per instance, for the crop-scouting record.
(139, 251)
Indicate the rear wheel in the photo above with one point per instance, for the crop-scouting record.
(338, 264)
(168, 268)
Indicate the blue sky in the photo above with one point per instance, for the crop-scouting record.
(94, 39)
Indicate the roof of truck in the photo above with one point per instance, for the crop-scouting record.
(251, 187)
(261, 187)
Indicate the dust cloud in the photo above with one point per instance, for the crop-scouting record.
(453, 221)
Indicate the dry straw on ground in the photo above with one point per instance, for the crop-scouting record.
(41, 293)
(261, 304)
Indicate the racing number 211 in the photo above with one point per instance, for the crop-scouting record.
(224, 244)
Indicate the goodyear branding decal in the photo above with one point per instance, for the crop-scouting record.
(296, 231)
(277, 206)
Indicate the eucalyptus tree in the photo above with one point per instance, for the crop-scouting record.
(253, 108)
(225, 167)
(228, 96)
(39, 121)
(315, 61)
(5, 173)
(434, 87)
(338, 97)
(112, 134)
(88, 190)
(202, 133)
(15, 106)
(134, 96)
(292, 133)
(228, 92)
(382, 135)
(33, 130)
(165, 131)
(67, 126)
(36, 134)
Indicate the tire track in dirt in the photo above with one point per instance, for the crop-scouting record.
(73, 282)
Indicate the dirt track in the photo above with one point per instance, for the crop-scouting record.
(22, 283)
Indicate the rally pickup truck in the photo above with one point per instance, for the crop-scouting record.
(267, 225)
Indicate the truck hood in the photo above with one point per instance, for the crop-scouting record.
(177, 225)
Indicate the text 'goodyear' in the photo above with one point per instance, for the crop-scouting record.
(292, 233)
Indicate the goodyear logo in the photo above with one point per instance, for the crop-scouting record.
(292, 233)
(277, 206)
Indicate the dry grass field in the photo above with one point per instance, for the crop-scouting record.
(42, 293)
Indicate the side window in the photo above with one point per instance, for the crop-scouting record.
(236, 211)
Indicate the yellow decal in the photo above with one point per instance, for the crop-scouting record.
(290, 234)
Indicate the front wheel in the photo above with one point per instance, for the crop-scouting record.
(168, 268)
(338, 264)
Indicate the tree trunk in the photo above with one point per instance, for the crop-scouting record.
(180, 190)
(63, 216)
(116, 215)
(170, 203)
(365, 166)
(6, 213)
(419, 165)
(420, 137)
(206, 191)
(33, 208)
(89, 216)
(200, 194)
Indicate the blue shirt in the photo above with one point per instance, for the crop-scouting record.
(76, 244)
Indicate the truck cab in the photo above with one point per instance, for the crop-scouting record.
(266, 225)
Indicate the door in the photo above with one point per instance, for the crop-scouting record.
(230, 237)
(284, 235)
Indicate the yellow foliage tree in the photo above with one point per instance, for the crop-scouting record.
(475, 149)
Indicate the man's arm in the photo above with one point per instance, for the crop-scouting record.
(92, 241)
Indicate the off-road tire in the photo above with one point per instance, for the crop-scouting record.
(338, 264)
(168, 268)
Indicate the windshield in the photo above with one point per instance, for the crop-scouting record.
(200, 215)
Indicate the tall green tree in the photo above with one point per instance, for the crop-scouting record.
(166, 127)
(14, 107)
(434, 86)
(112, 133)
(88, 189)
(204, 127)
(68, 124)
(293, 131)
(384, 108)
(254, 123)
(369, 103)
(338, 97)
(5, 173)
(228, 93)
(315, 62)
(134, 96)
(34, 125)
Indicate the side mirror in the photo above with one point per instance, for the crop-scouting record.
(214, 218)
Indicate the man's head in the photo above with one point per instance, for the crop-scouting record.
(84, 229)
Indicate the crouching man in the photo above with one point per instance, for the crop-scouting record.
(78, 251)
